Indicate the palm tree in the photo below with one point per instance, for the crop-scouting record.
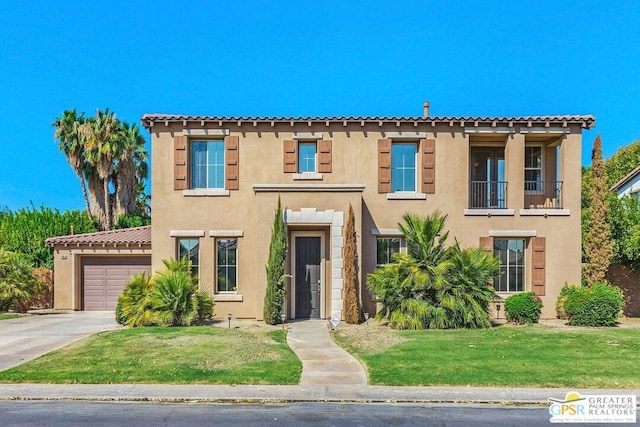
(102, 146)
(432, 285)
(67, 132)
(131, 170)
(18, 284)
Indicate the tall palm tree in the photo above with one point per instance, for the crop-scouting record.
(130, 170)
(67, 132)
(102, 146)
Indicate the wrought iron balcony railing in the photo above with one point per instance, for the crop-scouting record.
(487, 194)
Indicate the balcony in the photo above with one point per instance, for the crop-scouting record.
(487, 194)
(543, 194)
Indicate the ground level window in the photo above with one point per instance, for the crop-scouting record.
(226, 255)
(511, 253)
(190, 249)
(386, 247)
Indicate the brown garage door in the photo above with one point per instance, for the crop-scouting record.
(103, 279)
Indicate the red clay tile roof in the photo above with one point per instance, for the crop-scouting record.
(586, 121)
(132, 236)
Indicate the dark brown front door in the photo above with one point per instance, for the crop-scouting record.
(307, 277)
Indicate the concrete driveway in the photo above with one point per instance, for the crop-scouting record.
(28, 337)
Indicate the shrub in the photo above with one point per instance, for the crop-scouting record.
(44, 298)
(205, 306)
(561, 311)
(173, 299)
(523, 308)
(134, 305)
(597, 305)
(276, 267)
(18, 283)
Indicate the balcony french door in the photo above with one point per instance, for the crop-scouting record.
(488, 186)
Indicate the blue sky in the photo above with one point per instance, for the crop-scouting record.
(305, 58)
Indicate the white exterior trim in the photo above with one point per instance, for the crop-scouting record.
(335, 219)
(307, 135)
(545, 212)
(489, 212)
(524, 129)
(228, 297)
(513, 233)
(205, 132)
(114, 251)
(186, 233)
(310, 188)
(226, 233)
(212, 192)
(307, 176)
(393, 232)
(406, 195)
(405, 135)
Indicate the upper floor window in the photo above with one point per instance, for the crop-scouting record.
(385, 248)
(227, 266)
(190, 249)
(306, 157)
(403, 167)
(533, 169)
(511, 253)
(207, 164)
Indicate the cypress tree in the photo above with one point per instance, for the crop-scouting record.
(352, 311)
(276, 290)
(598, 246)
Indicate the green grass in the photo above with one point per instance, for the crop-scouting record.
(505, 356)
(4, 316)
(193, 355)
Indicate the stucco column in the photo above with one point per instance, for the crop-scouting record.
(514, 158)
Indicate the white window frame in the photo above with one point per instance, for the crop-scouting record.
(541, 169)
(191, 165)
(524, 265)
(313, 143)
(416, 146)
(402, 249)
(178, 239)
(217, 291)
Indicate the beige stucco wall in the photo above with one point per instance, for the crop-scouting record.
(354, 161)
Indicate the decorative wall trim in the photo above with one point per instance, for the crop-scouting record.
(524, 129)
(309, 176)
(513, 233)
(202, 192)
(227, 297)
(489, 212)
(545, 212)
(307, 135)
(386, 232)
(186, 233)
(405, 135)
(320, 188)
(504, 130)
(226, 233)
(114, 251)
(205, 132)
(406, 195)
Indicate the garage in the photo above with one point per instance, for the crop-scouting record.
(90, 270)
(103, 279)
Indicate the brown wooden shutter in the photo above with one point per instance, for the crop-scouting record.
(290, 156)
(324, 156)
(538, 260)
(231, 159)
(486, 243)
(180, 162)
(384, 166)
(428, 165)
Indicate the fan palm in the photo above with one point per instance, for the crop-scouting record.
(67, 132)
(102, 145)
(18, 284)
(131, 169)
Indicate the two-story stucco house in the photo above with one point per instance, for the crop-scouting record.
(510, 184)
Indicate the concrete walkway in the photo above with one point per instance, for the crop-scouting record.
(323, 362)
(25, 338)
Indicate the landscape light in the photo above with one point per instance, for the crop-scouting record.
(229, 319)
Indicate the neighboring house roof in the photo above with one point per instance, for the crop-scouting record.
(124, 236)
(585, 121)
(630, 176)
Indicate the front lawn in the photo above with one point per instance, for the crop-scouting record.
(533, 356)
(192, 355)
(4, 316)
